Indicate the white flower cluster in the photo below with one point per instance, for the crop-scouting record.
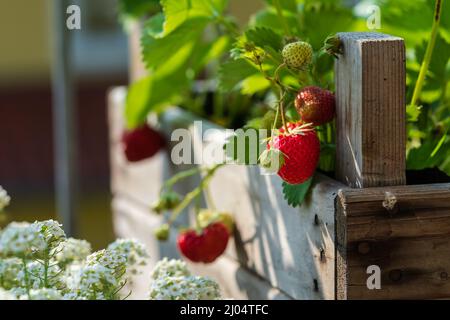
(4, 199)
(38, 262)
(42, 294)
(9, 269)
(184, 288)
(51, 231)
(116, 262)
(173, 281)
(36, 277)
(171, 268)
(92, 282)
(133, 250)
(21, 240)
(72, 250)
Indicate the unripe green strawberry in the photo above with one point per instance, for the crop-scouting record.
(167, 201)
(315, 105)
(162, 233)
(297, 55)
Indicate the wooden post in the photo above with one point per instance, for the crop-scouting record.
(370, 96)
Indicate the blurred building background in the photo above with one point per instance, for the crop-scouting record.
(99, 56)
(99, 61)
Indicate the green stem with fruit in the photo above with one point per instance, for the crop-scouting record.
(194, 193)
(280, 109)
(209, 198)
(26, 277)
(428, 53)
(180, 176)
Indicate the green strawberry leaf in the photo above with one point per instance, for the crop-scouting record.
(154, 25)
(295, 194)
(269, 18)
(136, 9)
(173, 48)
(290, 5)
(233, 72)
(245, 146)
(152, 93)
(179, 11)
(164, 86)
(413, 112)
(437, 68)
(262, 36)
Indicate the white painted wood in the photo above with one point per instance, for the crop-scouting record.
(280, 243)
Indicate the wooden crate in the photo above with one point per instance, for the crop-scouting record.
(321, 250)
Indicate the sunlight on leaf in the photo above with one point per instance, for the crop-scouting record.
(295, 194)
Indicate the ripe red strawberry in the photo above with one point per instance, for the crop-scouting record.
(315, 105)
(300, 148)
(205, 247)
(141, 143)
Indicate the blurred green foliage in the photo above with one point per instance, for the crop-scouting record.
(428, 136)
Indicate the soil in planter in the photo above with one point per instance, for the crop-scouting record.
(426, 176)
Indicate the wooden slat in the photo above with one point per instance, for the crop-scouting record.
(370, 97)
(409, 241)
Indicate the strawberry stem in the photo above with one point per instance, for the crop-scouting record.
(178, 177)
(209, 198)
(282, 111)
(282, 95)
(428, 53)
(194, 193)
(274, 126)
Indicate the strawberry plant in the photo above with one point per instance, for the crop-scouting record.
(279, 68)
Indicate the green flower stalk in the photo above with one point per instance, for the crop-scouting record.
(429, 52)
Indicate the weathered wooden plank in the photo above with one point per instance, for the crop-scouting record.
(132, 220)
(370, 102)
(404, 230)
(428, 194)
(412, 268)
